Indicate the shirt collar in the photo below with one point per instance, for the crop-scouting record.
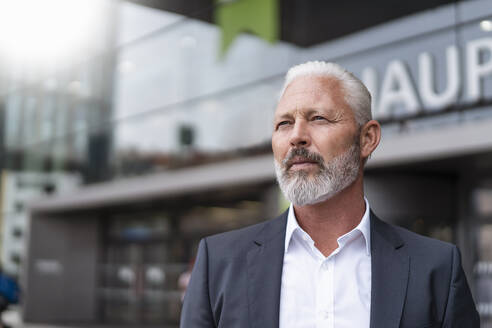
(364, 227)
(292, 226)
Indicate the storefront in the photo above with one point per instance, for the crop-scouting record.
(121, 249)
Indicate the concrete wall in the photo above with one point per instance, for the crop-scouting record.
(59, 282)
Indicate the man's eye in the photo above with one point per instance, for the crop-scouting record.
(280, 124)
(317, 118)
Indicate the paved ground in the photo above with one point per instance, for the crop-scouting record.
(12, 318)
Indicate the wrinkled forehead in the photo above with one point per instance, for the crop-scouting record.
(309, 91)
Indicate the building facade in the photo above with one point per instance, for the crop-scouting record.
(176, 147)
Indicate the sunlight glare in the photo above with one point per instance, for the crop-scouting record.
(45, 30)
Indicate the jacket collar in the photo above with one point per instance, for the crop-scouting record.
(265, 262)
(390, 266)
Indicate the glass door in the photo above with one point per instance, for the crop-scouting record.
(482, 208)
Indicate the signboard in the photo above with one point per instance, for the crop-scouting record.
(399, 94)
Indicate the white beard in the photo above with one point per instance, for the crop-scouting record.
(339, 173)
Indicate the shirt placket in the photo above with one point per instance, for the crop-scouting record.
(324, 299)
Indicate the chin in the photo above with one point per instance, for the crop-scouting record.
(315, 201)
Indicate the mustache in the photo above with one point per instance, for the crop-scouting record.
(302, 154)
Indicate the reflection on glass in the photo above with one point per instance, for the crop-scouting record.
(149, 255)
(482, 207)
(483, 275)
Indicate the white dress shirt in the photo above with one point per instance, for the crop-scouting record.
(328, 292)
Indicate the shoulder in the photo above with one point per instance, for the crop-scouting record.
(429, 259)
(422, 243)
(235, 237)
(417, 245)
(415, 238)
(241, 240)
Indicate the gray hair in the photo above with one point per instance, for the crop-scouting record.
(355, 92)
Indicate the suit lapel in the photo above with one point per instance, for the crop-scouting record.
(265, 262)
(390, 270)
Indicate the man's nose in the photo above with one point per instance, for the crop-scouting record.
(300, 135)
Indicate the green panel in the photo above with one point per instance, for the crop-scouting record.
(260, 17)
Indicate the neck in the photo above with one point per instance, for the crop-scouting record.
(326, 221)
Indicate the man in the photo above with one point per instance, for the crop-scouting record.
(328, 261)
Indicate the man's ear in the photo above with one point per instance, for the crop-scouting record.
(369, 138)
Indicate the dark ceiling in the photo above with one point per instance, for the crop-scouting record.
(309, 22)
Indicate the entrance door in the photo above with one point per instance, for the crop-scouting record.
(481, 199)
(140, 273)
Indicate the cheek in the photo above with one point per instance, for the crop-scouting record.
(279, 149)
(333, 144)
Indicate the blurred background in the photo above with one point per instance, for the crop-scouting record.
(131, 129)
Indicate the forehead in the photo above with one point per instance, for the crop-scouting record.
(308, 92)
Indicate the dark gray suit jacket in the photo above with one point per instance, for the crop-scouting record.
(417, 282)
